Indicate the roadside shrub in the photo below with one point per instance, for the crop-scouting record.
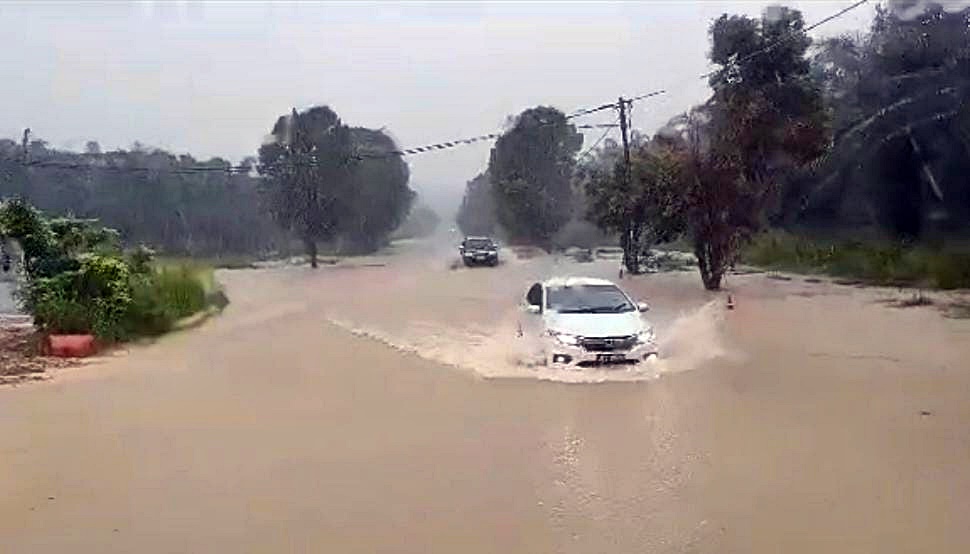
(78, 282)
(182, 289)
(90, 299)
(140, 259)
(162, 296)
(55, 308)
(879, 263)
(951, 271)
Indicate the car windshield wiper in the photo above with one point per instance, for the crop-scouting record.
(607, 309)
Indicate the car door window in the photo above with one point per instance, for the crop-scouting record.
(534, 295)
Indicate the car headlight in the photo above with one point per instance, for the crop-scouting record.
(565, 338)
(646, 336)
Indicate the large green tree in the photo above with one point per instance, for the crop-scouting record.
(379, 198)
(148, 195)
(531, 169)
(308, 168)
(646, 209)
(476, 214)
(765, 120)
(901, 150)
(766, 109)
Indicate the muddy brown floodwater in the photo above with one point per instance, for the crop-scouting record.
(387, 409)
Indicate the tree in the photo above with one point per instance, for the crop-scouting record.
(476, 214)
(421, 222)
(150, 196)
(765, 119)
(379, 198)
(765, 109)
(647, 210)
(308, 169)
(723, 207)
(898, 94)
(531, 168)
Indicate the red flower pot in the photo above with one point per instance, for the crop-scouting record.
(72, 346)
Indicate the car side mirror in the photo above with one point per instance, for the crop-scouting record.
(533, 309)
(643, 307)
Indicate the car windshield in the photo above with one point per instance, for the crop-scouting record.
(588, 299)
(483, 244)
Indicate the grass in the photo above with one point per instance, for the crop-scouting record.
(167, 294)
(218, 262)
(881, 263)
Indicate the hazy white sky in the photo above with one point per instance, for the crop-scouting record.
(210, 78)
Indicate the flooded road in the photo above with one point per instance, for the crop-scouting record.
(384, 408)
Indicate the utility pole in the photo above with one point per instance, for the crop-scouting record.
(25, 144)
(622, 104)
(629, 257)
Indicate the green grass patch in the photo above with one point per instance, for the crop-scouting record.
(164, 295)
(217, 262)
(879, 263)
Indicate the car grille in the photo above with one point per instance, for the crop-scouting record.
(608, 344)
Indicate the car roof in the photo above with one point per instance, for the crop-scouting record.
(478, 238)
(576, 282)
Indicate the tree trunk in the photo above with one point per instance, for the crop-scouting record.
(710, 265)
(631, 251)
(311, 250)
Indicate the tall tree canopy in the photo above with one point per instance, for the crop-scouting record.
(379, 198)
(308, 170)
(766, 109)
(476, 214)
(902, 125)
(531, 169)
(148, 195)
(646, 209)
(325, 181)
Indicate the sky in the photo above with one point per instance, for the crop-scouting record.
(210, 78)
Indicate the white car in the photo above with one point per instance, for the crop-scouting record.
(582, 322)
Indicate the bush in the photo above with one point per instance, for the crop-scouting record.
(104, 297)
(55, 308)
(90, 299)
(951, 271)
(182, 289)
(879, 263)
(582, 234)
(79, 283)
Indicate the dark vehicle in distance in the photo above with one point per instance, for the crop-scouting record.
(478, 250)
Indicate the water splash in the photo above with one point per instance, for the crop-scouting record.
(496, 352)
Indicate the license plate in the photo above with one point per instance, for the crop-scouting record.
(610, 358)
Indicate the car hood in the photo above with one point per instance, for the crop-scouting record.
(596, 325)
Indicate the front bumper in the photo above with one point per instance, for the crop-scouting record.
(480, 258)
(567, 356)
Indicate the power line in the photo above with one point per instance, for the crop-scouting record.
(586, 152)
(764, 50)
(771, 46)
